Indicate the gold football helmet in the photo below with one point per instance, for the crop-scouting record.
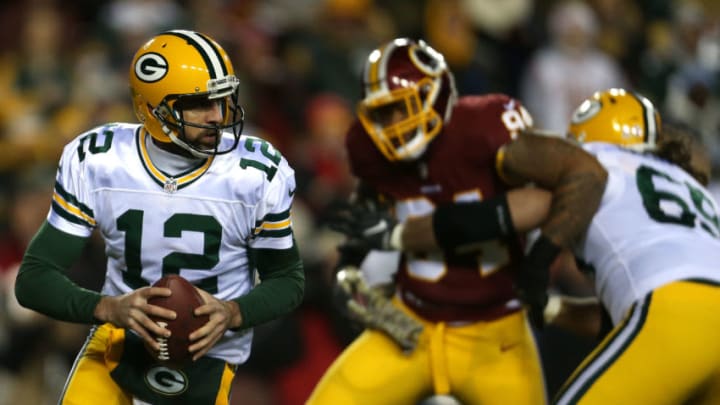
(408, 93)
(616, 116)
(183, 68)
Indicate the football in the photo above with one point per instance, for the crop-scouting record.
(183, 301)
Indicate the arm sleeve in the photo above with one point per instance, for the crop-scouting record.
(272, 249)
(42, 284)
(281, 288)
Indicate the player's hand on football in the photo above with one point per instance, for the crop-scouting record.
(366, 227)
(132, 311)
(223, 315)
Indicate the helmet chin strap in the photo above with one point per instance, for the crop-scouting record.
(179, 142)
(160, 112)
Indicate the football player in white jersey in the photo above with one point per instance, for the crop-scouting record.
(630, 202)
(181, 192)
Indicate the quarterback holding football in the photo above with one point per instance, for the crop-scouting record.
(181, 192)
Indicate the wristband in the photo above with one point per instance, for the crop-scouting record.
(460, 224)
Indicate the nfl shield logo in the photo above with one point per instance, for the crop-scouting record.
(170, 186)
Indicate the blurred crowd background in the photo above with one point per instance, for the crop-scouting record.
(63, 70)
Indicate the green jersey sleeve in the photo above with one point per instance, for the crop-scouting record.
(281, 288)
(42, 284)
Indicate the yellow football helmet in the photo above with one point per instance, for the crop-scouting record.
(411, 80)
(616, 116)
(179, 68)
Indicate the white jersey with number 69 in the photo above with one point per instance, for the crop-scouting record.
(199, 224)
(655, 224)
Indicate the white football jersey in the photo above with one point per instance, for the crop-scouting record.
(655, 224)
(198, 224)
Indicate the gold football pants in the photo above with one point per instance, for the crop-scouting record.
(665, 352)
(479, 363)
(90, 381)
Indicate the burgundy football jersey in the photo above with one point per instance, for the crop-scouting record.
(459, 165)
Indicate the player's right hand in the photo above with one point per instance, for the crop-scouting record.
(365, 227)
(132, 311)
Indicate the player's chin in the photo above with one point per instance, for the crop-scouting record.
(207, 139)
(208, 142)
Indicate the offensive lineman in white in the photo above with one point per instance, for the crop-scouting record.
(653, 247)
(182, 192)
(632, 205)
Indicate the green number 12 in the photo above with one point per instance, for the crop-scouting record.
(131, 223)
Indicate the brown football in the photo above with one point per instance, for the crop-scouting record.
(183, 301)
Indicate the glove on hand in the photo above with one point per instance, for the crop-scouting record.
(533, 281)
(351, 254)
(371, 307)
(366, 227)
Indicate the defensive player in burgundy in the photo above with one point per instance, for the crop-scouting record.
(416, 146)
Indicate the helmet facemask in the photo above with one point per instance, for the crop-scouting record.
(170, 114)
(178, 71)
(408, 93)
(408, 137)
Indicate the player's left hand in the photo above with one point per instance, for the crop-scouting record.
(373, 308)
(365, 227)
(223, 315)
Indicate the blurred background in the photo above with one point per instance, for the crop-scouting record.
(63, 70)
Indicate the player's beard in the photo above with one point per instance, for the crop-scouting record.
(207, 140)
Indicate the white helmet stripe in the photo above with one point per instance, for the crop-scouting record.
(209, 52)
(650, 123)
(381, 74)
(376, 70)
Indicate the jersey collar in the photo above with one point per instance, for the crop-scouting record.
(168, 182)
